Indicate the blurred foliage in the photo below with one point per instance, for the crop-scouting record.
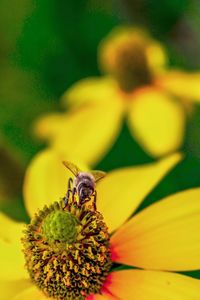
(59, 42)
(159, 18)
(48, 45)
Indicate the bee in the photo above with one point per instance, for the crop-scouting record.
(84, 184)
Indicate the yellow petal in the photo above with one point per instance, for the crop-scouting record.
(90, 132)
(11, 256)
(31, 293)
(91, 91)
(164, 236)
(12, 261)
(122, 191)
(47, 126)
(10, 231)
(152, 285)
(181, 84)
(156, 57)
(104, 296)
(46, 180)
(156, 121)
(10, 288)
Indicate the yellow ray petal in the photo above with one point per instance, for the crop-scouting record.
(164, 236)
(47, 126)
(46, 180)
(91, 91)
(152, 285)
(10, 231)
(156, 56)
(11, 256)
(90, 132)
(181, 84)
(12, 261)
(31, 293)
(10, 288)
(104, 296)
(121, 192)
(156, 121)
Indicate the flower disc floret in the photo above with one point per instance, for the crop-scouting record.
(60, 226)
(67, 251)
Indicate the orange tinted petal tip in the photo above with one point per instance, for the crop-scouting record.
(114, 255)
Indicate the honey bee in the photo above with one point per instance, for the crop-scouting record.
(84, 183)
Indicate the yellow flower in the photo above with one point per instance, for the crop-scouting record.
(137, 87)
(159, 240)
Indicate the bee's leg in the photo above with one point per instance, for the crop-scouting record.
(95, 200)
(69, 191)
(70, 182)
(67, 197)
(73, 194)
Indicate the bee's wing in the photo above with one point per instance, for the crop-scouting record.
(72, 167)
(98, 175)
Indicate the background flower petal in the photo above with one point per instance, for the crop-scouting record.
(164, 236)
(121, 191)
(91, 90)
(156, 121)
(156, 56)
(90, 131)
(181, 84)
(10, 288)
(31, 293)
(46, 180)
(104, 296)
(47, 126)
(152, 285)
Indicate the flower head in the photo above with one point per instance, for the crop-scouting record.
(138, 87)
(132, 57)
(76, 263)
(67, 250)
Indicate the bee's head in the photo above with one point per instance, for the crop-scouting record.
(85, 192)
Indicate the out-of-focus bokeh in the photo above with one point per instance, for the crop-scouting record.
(46, 46)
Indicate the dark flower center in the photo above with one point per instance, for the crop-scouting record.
(132, 68)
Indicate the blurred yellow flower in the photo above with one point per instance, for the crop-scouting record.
(137, 87)
(162, 238)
